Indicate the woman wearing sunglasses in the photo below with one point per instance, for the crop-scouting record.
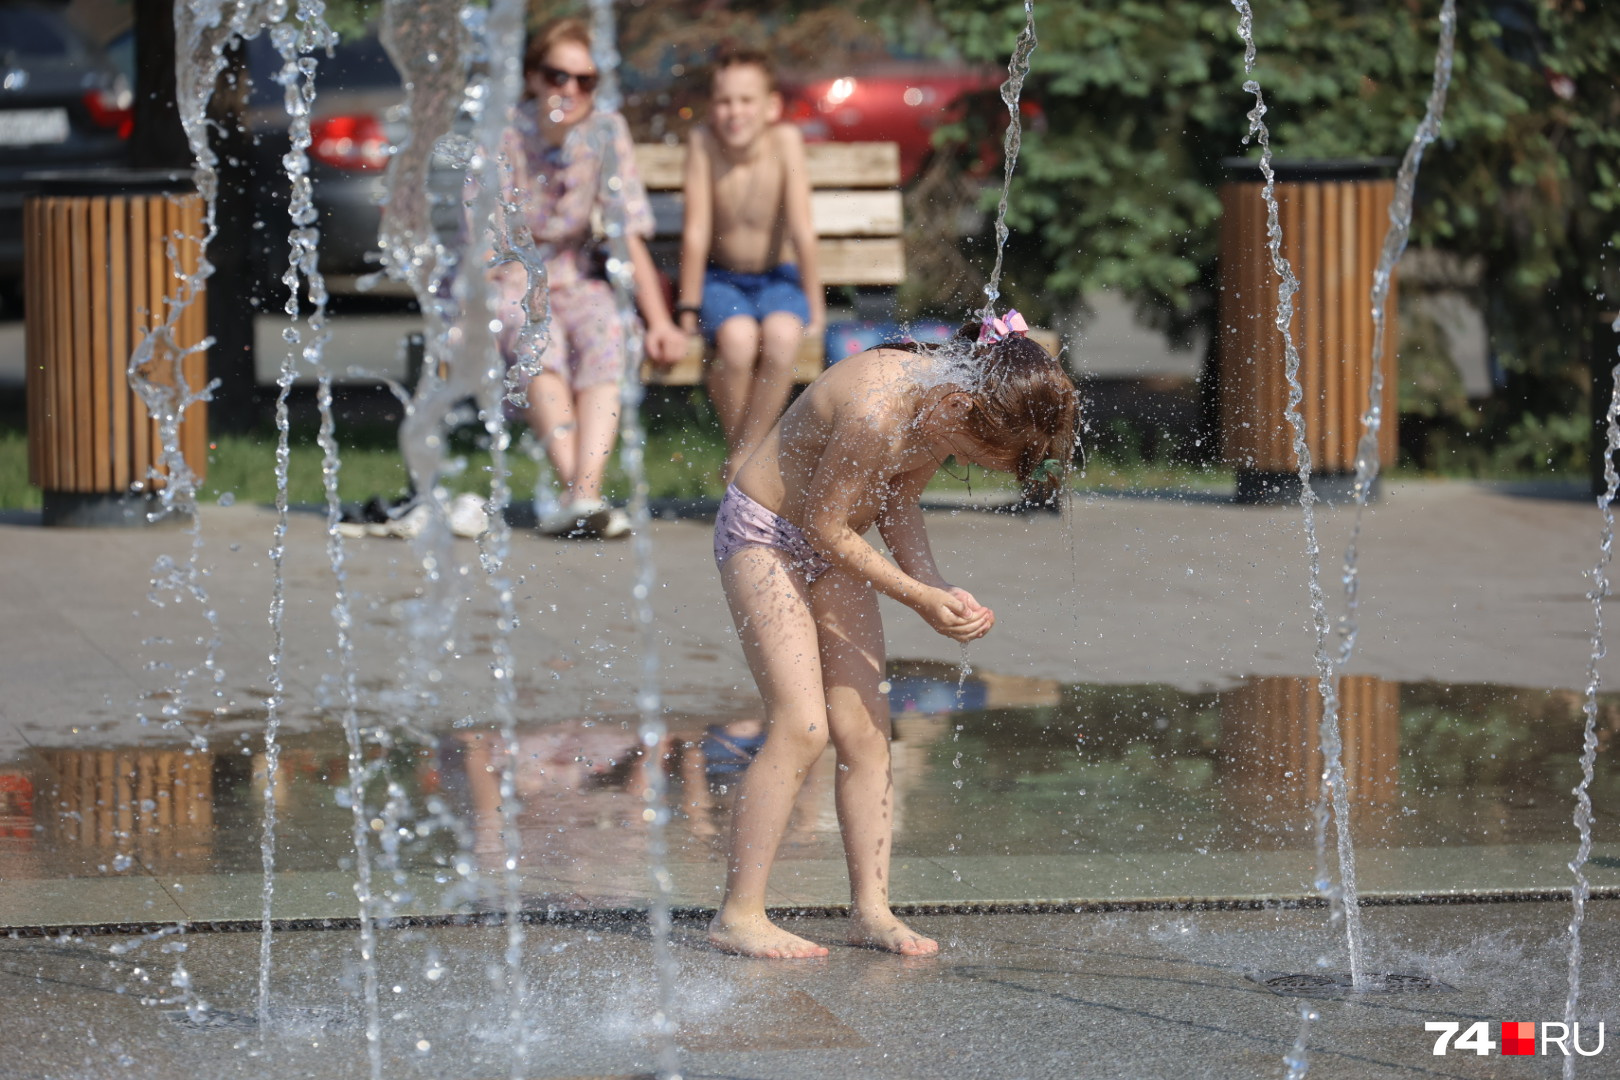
(554, 151)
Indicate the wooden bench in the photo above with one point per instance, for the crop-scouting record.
(854, 201)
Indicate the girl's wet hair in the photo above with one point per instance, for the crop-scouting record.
(1023, 400)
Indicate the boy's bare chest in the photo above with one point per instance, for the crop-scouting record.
(749, 194)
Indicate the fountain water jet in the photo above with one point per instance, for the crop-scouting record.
(479, 315)
(297, 79)
(1341, 897)
(1011, 91)
(649, 700)
(1581, 889)
(495, 551)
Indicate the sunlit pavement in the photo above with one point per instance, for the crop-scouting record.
(1144, 994)
(1462, 585)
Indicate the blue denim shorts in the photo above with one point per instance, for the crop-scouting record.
(727, 294)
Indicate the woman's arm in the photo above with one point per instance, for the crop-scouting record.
(801, 225)
(666, 343)
(697, 228)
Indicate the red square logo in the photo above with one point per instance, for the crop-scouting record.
(1518, 1037)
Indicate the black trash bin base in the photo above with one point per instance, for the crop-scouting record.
(95, 510)
(1258, 487)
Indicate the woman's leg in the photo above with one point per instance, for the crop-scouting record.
(852, 658)
(596, 409)
(552, 419)
(770, 604)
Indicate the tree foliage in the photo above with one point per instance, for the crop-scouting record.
(1117, 182)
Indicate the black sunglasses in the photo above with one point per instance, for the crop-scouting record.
(558, 78)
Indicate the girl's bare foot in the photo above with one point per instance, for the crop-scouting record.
(755, 935)
(886, 932)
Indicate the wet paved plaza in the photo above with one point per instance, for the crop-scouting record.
(1136, 733)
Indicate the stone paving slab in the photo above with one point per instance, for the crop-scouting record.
(1071, 997)
(1459, 583)
(1143, 879)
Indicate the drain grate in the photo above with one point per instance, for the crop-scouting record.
(1338, 984)
(280, 1016)
(214, 1019)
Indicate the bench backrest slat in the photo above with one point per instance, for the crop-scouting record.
(831, 164)
(854, 201)
(835, 213)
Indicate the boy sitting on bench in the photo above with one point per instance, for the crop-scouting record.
(747, 218)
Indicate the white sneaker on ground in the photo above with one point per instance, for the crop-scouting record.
(586, 519)
(467, 516)
(408, 526)
(617, 525)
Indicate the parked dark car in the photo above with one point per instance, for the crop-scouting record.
(63, 107)
(357, 120)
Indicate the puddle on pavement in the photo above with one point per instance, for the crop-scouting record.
(1029, 767)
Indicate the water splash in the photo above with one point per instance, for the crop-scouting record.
(479, 306)
(427, 42)
(303, 270)
(1395, 238)
(430, 43)
(204, 31)
(649, 700)
(1341, 895)
(1581, 889)
(1011, 91)
(297, 80)
(433, 50)
(1297, 1061)
(156, 368)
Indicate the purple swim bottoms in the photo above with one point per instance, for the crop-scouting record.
(742, 522)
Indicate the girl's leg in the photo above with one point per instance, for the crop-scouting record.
(771, 382)
(552, 418)
(852, 659)
(596, 409)
(770, 604)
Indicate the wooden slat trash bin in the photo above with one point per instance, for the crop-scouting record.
(1270, 754)
(1605, 352)
(100, 259)
(1333, 216)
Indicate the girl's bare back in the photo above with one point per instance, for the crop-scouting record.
(856, 418)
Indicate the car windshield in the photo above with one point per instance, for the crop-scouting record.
(32, 33)
(362, 64)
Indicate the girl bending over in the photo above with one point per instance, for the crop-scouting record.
(853, 452)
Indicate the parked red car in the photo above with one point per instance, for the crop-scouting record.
(903, 102)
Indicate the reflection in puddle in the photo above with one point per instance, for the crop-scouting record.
(1034, 768)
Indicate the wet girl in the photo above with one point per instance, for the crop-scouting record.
(854, 451)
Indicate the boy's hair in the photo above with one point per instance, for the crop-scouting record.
(730, 56)
(548, 34)
(1022, 398)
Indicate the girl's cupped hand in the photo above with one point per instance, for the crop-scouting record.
(956, 614)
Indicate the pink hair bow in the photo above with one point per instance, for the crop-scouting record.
(994, 329)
